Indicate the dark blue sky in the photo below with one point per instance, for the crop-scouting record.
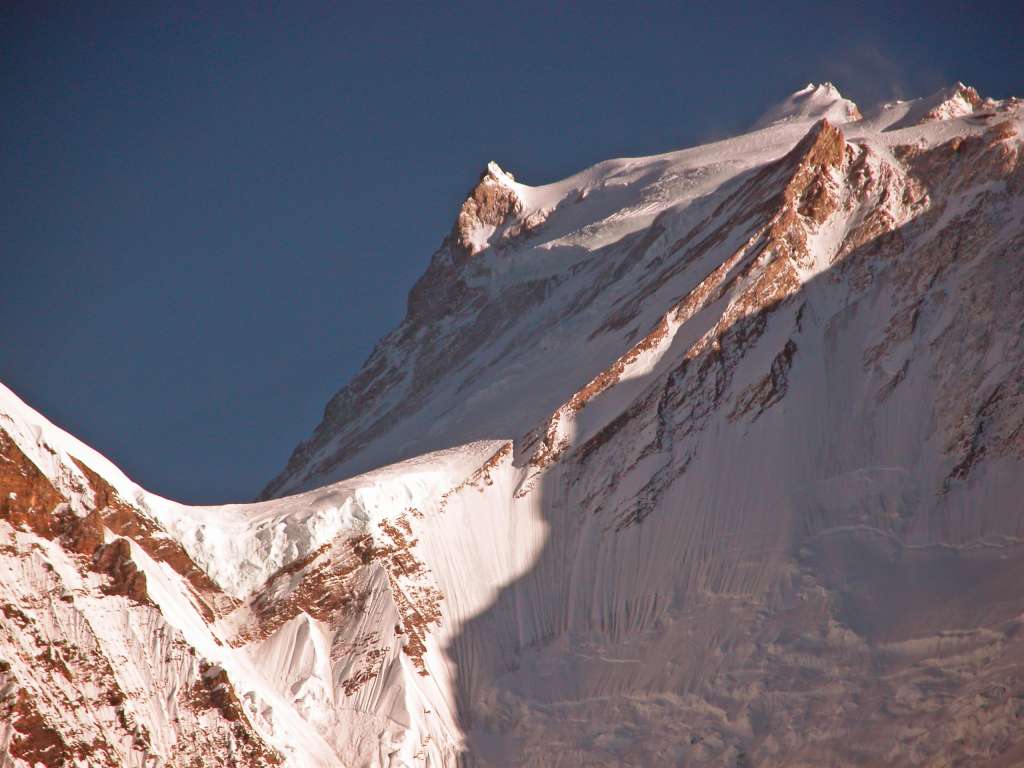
(212, 212)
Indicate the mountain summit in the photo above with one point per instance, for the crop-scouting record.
(811, 102)
(713, 457)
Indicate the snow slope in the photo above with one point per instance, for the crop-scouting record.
(510, 318)
(709, 458)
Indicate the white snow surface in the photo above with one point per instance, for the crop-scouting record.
(812, 102)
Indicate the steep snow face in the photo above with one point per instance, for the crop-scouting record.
(727, 379)
(711, 458)
(498, 338)
(812, 102)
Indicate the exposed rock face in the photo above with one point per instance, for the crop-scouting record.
(711, 458)
(73, 612)
(491, 203)
(32, 741)
(28, 497)
(115, 560)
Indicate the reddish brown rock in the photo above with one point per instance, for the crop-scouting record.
(35, 741)
(490, 203)
(27, 498)
(115, 560)
(126, 520)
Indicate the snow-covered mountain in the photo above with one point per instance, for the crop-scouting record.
(708, 458)
(812, 102)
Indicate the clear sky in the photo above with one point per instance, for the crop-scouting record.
(212, 211)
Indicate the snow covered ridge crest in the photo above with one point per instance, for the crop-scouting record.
(811, 102)
(706, 444)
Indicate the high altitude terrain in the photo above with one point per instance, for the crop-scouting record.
(708, 458)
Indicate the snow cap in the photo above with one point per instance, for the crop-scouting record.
(812, 102)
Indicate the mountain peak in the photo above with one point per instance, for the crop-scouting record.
(812, 102)
(494, 171)
(948, 103)
(489, 204)
(955, 101)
